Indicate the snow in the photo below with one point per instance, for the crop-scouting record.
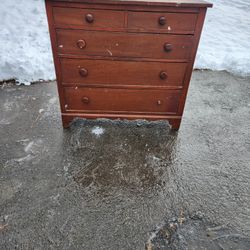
(24, 40)
(26, 52)
(225, 40)
(97, 131)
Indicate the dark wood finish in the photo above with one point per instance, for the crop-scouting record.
(172, 3)
(88, 18)
(128, 59)
(183, 23)
(122, 7)
(109, 72)
(109, 100)
(116, 44)
(127, 7)
(188, 75)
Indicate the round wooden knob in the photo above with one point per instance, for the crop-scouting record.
(89, 18)
(159, 102)
(168, 47)
(162, 20)
(163, 75)
(85, 99)
(81, 44)
(83, 72)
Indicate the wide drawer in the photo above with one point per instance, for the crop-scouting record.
(118, 44)
(88, 18)
(85, 71)
(182, 23)
(121, 100)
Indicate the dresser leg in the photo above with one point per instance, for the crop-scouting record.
(175, 123)
(66, 121)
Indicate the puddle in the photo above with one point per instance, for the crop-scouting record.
(132, 156)
(194, 232)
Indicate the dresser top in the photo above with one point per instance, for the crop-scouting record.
(171, 3)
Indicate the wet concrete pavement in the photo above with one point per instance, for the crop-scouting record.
(126, 185)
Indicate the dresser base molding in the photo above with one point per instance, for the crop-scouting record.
(174, 121)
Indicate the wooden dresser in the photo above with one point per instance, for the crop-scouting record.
(127, 59)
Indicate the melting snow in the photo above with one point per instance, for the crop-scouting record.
(225, 40)
(97, 131)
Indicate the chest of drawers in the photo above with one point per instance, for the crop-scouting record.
(127, 59)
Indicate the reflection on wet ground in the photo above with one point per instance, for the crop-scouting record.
(126, 185)
(128, 157)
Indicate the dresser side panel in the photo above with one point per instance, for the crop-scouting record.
(49, 10)
(198, 30)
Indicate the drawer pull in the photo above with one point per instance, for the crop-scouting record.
(89, 18)
(162, 20)
(163, 75)
(159, 102)
(83, 72)
(85, 100)
(168, 47)
(81, 44)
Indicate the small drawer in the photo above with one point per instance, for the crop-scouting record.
(88, 18)
(116, 72)
(116, 44)
(180, 23)
(121, 100)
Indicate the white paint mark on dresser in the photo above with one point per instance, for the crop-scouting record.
(110, 53)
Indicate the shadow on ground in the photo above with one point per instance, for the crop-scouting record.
(126, 185)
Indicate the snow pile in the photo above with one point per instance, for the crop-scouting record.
(26, 53)
(225, 41)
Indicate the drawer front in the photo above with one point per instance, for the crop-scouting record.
(117, 44)
(86, 71)
(121, 100)
(88, 18)
(182, 23)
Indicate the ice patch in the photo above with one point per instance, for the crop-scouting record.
(98, 131)
(33, 149)
(29, 146)
(4, 122)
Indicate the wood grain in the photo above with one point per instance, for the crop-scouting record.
(118, 100)
(119, 44)
(182, 23)
(77, 17)
(176, 3)
(109, 72)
